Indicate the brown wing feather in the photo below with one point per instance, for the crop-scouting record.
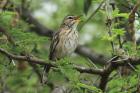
(53, 45)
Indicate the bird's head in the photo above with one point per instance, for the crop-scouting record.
(71, 21)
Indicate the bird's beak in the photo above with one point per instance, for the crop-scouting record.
(77, 19)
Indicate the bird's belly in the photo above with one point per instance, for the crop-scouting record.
(71, 42)
(68, 46)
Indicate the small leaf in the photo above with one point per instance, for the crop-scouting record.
(119, 31)
(87, 4)
(109, 38)
(116, 13)
(89, 87)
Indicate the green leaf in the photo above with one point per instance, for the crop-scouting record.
(117, 14)
(118, 31)
(89, 87)
(108, 38)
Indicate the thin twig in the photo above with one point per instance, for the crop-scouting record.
(120, 42)
(109, 23)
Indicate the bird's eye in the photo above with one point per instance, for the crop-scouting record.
(70, 17)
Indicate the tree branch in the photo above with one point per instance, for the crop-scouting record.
(104, 72)
(131, 19)
(42, 62)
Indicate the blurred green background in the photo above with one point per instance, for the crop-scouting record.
(21, 78)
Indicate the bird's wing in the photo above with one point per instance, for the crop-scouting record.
(53, 45)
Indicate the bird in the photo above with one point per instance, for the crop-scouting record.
(65, 40)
